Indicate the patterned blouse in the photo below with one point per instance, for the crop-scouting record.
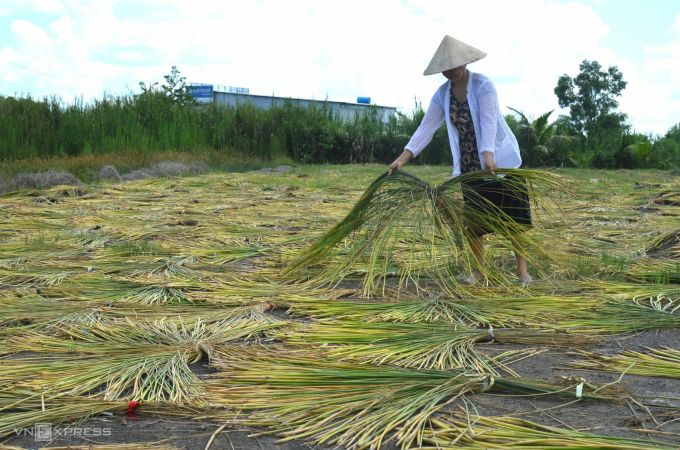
(462, 120)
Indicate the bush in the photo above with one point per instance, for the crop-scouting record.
(166, 169)
(153, 122)
(109, 172)
(47, 179)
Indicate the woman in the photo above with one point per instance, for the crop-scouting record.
(480, 139)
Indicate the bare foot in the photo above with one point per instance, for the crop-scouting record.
(525, 279)
(471, 279)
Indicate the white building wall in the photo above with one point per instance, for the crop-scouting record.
(345, 110)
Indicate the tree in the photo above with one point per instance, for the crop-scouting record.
(591, 95)
(175, 88)
(540, 127)
(608, 134)
(512, 122)
(674, 133)
(538, 141)
(636, 151)
(665, 152)
(438, 150)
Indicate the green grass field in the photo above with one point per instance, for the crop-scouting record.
(169, 291)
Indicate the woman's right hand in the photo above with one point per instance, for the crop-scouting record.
(398, 163)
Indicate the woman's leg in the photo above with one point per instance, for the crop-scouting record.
(522, 269)
(477, 246)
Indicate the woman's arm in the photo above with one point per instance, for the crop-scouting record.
(488, 118)
(405, 157)
(434, 116)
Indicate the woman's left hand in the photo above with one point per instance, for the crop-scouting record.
(490, 162)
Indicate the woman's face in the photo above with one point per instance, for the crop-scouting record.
(456, 74)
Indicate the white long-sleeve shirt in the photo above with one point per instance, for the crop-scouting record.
(492, 132)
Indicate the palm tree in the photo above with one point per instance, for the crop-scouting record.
(538, 141)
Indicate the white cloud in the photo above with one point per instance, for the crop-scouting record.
(339, 50)
(676, 25)
(653, 99)
(130, 56)
(30, 35)
(45, 6)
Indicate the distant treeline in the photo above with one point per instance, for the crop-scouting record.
(152, 121)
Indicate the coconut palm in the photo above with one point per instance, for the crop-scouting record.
(539, 142)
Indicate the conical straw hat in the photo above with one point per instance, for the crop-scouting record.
(452, 53)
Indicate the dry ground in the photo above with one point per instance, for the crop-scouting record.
(221, 239)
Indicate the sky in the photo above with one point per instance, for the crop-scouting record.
(338, 50)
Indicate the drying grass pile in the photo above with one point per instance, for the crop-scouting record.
(408, 229)
(321, 304)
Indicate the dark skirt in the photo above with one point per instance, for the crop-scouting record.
(496, 205)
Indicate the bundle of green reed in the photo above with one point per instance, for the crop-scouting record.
(548, 312)
(355, 405)
(143, 376)
(146, 360)
(23, 408)
(404, 227)
(24, 411)
(656, 362)
(464, 431)
(438, 346)
(666, 245)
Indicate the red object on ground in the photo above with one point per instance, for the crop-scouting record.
(132, 406)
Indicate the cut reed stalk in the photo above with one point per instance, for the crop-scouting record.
(458, 431)
(656, 362)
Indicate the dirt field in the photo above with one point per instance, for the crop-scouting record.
(88, 273)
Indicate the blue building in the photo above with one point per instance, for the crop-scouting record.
(232, 96)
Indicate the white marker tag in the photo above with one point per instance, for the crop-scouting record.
(579, 390)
